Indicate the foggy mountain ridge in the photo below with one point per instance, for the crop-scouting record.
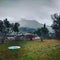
(31, 25)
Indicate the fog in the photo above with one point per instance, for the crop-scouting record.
(39, 10)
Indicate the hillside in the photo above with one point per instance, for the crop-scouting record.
(30, 24)
(26, 25)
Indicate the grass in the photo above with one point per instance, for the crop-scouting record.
(31, 50)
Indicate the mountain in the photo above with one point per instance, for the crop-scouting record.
(25, 29)
(31, 26)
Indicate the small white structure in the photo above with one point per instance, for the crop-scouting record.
(14, 47)
(10, 38)
(37, 38)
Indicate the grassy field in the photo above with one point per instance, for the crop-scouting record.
(31, 50)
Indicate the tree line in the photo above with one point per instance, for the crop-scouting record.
(7, 27)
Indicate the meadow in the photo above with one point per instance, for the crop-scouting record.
(31, 50)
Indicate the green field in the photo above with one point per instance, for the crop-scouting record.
(31, 50)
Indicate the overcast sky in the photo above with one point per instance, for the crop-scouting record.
(39, 10)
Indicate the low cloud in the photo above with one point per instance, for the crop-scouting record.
(39, 10)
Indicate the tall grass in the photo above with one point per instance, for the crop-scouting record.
(31, 50)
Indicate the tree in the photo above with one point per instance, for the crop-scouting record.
(16, 29)
(42, 32)
(6, 23)
(56, 24)
(1, 31)
(6, 27)
(1, 26)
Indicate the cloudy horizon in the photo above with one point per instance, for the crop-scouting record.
(39, 10)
